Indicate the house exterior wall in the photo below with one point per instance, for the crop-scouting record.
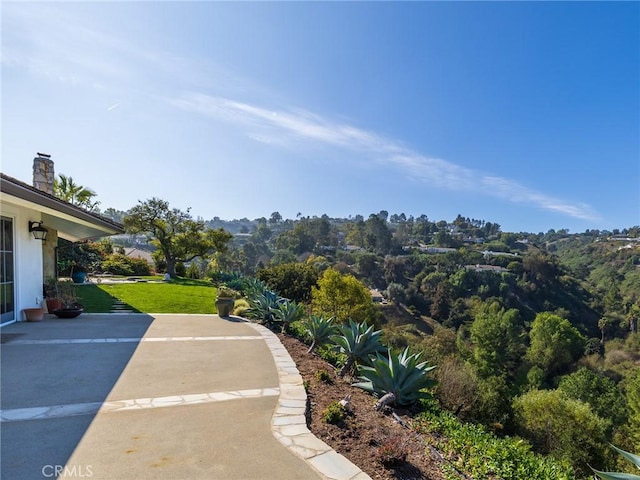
(28, 275)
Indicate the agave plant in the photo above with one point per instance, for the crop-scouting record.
(287, 312)
(397, 379)
(358, 342)
(263, 307)
(252, 287)
(635, 459)
(319, 329)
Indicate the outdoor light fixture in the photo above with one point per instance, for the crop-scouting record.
(39, 232)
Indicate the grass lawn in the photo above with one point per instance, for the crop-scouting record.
(178, 296)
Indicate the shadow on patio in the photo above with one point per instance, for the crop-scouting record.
(54, 363)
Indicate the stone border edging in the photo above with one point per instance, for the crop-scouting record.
(289, 423)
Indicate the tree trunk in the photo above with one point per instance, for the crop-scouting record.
(171, 267)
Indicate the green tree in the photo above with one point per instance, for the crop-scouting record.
(342, 297)
(176, 235)
(441, 301)
(632, 387)
(275, 218)
(290, 280)
(262, 232)
(368, 265)
(555, 343)
(377, 236)
(497, 337)
(66, 189)
(599, 391)
(561, 426)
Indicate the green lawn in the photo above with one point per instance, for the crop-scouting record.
(178, 296)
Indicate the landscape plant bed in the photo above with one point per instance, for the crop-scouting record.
(366, 437)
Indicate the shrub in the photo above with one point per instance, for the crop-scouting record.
(181, 270)
(597, 390)
(457, 388)
(393, 451)
(291, 280)
(342, 297)
(193, 271)
(140, 266)
(561, 426)
(299, 330)
(120, 264)
(117, 264)
(481, 454)
(330, 355)
(334, 413)
(323, 376)
(240, 307)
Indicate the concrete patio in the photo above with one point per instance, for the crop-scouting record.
(155, 397)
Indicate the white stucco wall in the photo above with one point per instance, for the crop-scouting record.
(27, 258)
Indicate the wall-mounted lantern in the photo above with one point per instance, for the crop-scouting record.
(39, 232)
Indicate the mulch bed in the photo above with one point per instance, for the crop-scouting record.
(365, 435)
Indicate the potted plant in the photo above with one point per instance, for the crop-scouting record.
(33, 314)
(51, 295)
(76, 259)
(78, 273)
(70, 307)
(225, 300)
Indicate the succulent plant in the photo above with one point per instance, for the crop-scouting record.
(635, 459)
(398, 377)
(252, 286)
(358, 342)
(287, 312)
(319, 329)
(262, 307)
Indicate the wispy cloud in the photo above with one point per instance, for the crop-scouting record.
(77, 52)
(282, 126)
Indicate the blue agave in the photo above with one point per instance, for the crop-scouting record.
(397, 379)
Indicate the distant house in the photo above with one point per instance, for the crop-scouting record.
(623, 238)
(489, 253)
(376, 296)
(30, 211)
(429, 249)
(470, 239)
(486, 268)
(133, 252)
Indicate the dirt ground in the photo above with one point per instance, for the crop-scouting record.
(374, 441)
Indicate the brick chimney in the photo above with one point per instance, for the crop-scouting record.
(43, 173)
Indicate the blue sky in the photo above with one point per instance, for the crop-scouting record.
(520, 113)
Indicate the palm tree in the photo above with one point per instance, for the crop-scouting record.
(66, 189)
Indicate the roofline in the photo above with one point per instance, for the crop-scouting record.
(24, 191)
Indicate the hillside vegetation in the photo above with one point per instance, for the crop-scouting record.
(534, 335)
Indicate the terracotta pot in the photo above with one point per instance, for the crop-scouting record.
(33, 314)
(53, 304)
